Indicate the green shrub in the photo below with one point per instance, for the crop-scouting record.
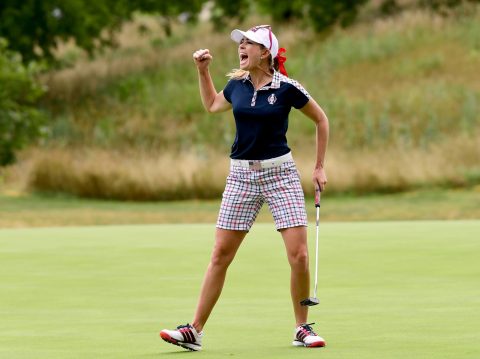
(20, 121)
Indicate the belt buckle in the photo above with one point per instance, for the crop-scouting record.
(255, 165)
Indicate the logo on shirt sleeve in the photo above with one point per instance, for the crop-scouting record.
(272, 99)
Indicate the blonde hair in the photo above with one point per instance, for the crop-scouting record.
(237, 74)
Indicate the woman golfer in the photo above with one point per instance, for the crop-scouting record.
(262, 170)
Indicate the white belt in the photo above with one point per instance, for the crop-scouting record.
(259, 164)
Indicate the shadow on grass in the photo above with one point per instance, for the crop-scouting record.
(156, 355)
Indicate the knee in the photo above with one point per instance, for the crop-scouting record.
(299, 259)
(221, 258)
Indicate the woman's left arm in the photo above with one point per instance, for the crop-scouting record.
(313, 111)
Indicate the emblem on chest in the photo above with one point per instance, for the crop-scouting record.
(272, 99)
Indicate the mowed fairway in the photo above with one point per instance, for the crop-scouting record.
(387, 290)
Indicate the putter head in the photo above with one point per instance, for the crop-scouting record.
(310, 302)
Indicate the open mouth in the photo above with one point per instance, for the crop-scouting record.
(243, 58)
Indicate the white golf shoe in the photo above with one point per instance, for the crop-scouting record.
(185, 336)
(305, 337)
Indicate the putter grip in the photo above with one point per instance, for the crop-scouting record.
(317, 197)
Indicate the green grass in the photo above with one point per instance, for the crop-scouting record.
(48, 211)
(387, 290)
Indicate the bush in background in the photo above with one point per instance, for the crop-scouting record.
(20, 121)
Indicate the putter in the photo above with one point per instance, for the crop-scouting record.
(311, 301)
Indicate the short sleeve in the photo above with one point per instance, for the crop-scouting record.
(227, 91)
(298, 95)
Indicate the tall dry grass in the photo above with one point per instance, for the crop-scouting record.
(452, 163)
(170, 176)
(136, 176)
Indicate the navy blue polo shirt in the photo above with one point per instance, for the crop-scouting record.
(261, 116)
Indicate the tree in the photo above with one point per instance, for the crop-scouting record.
(325, 14)
(283, 10)
(227, 9)
(34, 28)
(20, 121)
(442, 6)
(322, 14)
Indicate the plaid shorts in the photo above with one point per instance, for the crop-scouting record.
(247, 189)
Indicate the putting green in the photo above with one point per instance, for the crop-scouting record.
(387, 290)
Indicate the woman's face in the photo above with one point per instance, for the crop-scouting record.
(249, 53)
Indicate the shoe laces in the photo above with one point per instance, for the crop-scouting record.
(307, 327)
(184, 326)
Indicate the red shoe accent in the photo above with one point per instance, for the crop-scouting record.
(168, 338)
(316, 345)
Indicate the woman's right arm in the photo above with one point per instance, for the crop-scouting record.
(212, 101)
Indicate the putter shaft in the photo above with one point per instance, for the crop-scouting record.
(314, 300)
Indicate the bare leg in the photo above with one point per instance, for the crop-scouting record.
(295, 239)
(226, 245)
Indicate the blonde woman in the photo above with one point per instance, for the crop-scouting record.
(262, 170)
